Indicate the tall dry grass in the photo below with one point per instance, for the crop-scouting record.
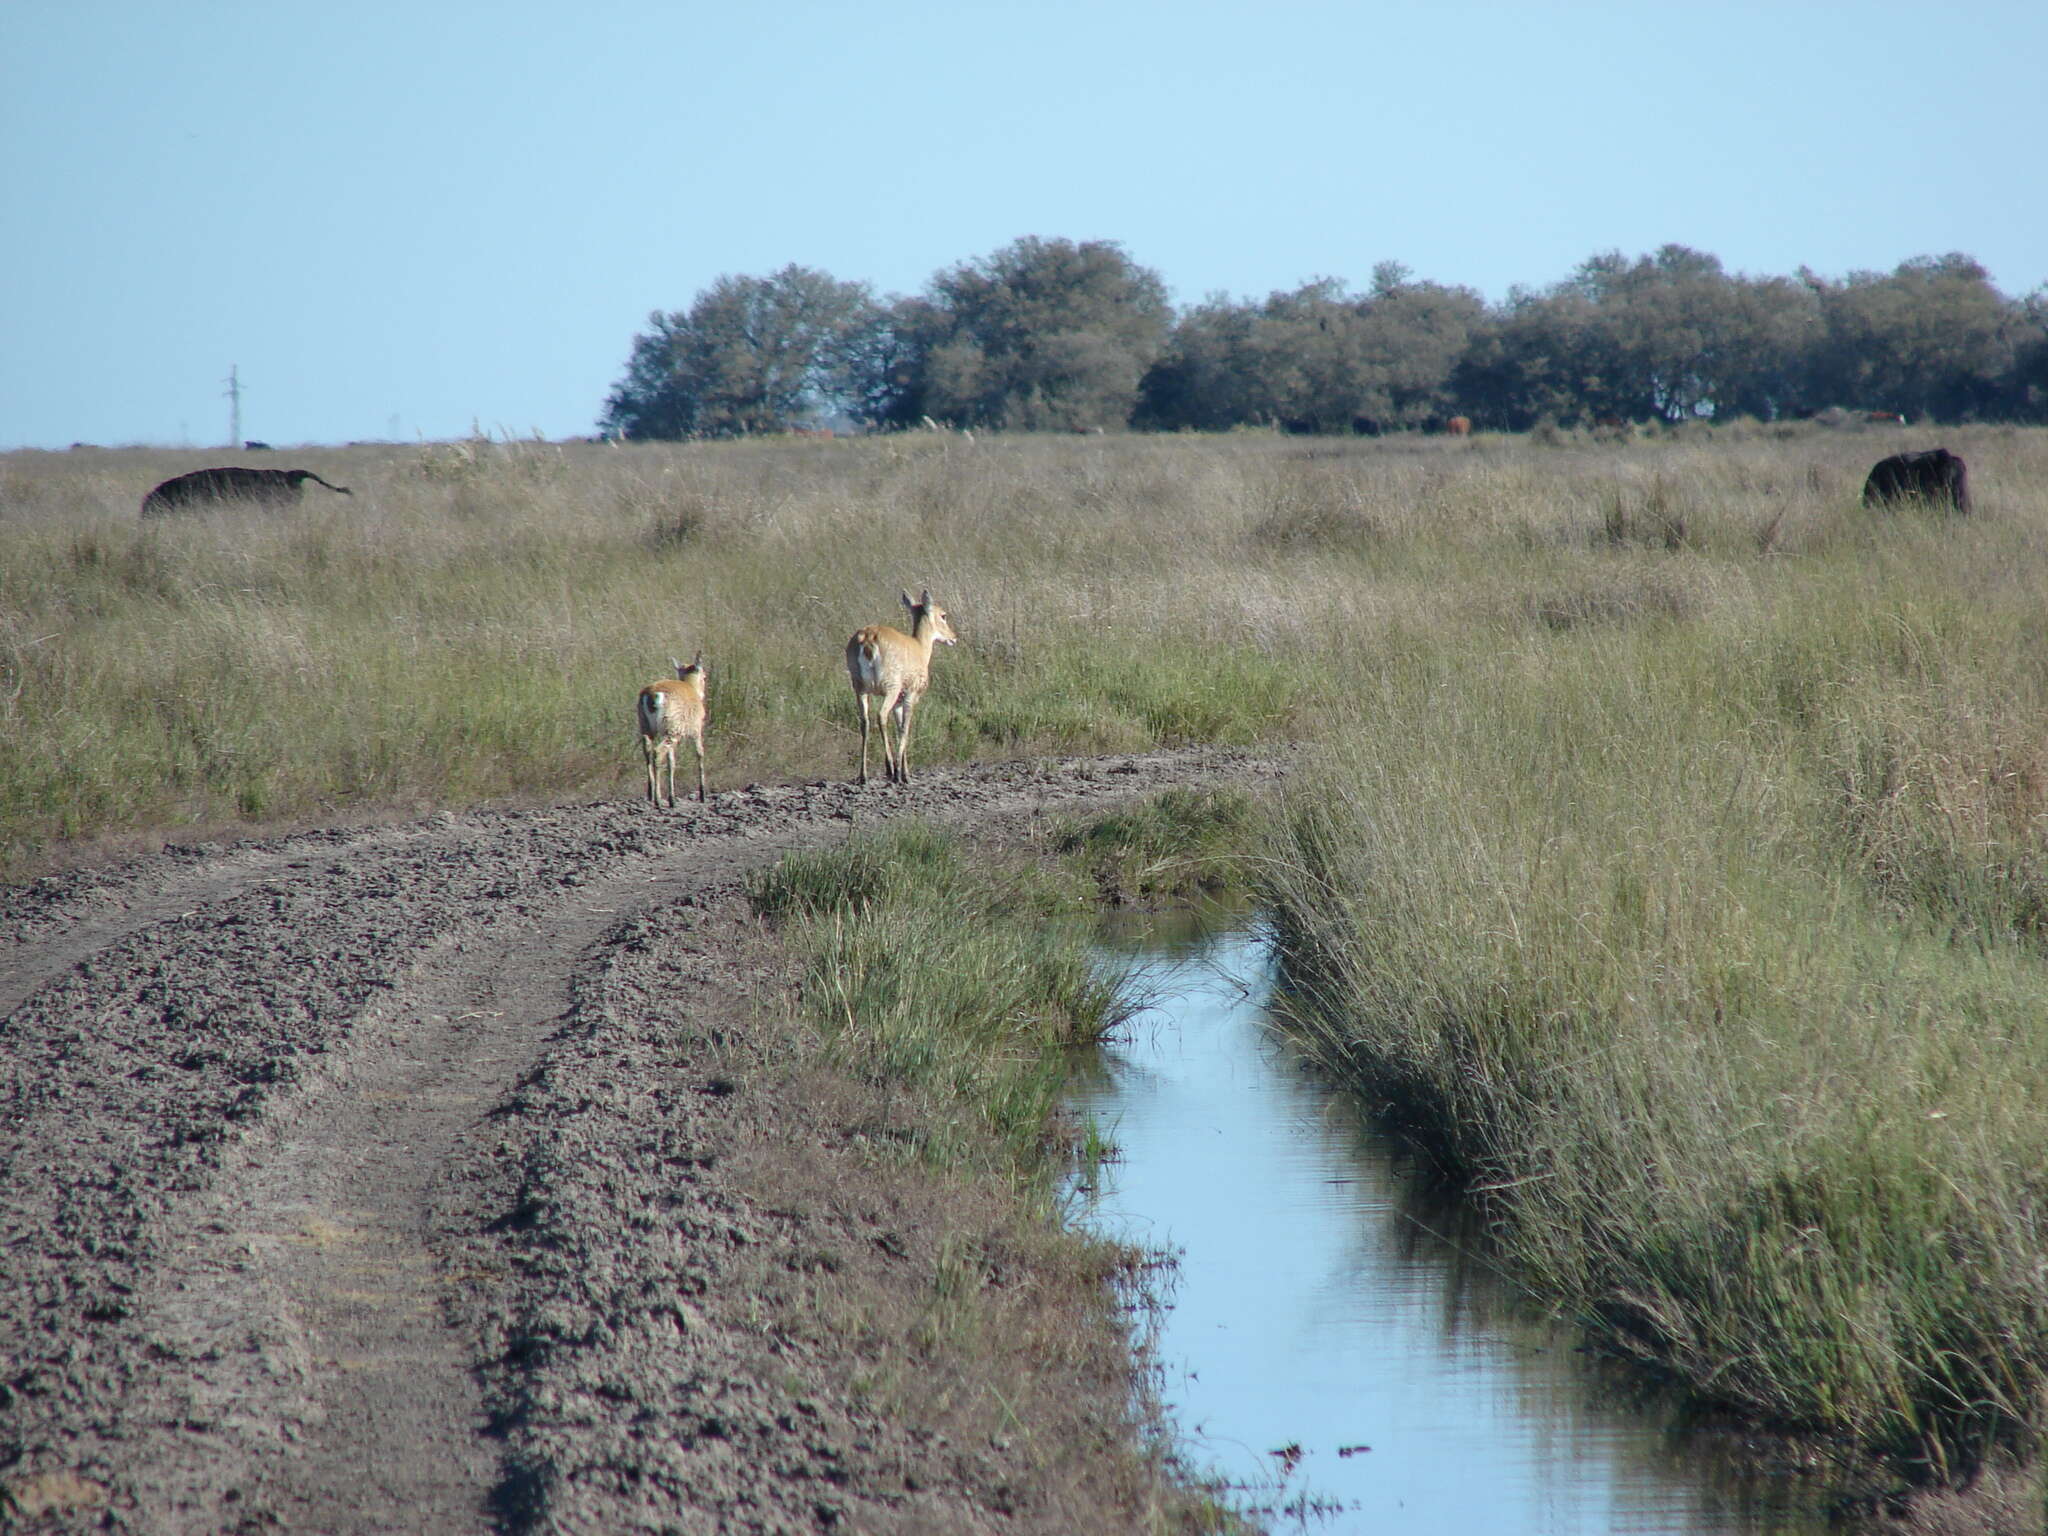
(1692, 912)
(467, 624)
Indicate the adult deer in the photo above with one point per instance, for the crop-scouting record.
(896, 668)
(671, 710)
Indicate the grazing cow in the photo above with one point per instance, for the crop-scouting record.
(1884, 418)
(267, 487)
(1459, 426)
(1934, 476)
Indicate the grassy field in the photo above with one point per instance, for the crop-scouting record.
(1670, 857)
(1696, 919)
(475, 621)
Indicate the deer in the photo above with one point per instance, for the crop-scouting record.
(896, 668)
(670, 710)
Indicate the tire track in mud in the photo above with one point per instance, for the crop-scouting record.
(341, 1234)
(250, 1109)
(48, 925)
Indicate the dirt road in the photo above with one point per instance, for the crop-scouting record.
(380, 1180)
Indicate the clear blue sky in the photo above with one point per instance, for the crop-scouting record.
(399, 220)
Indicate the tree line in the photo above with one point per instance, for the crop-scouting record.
(1058, 335)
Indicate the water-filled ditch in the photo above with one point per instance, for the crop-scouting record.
(1327, 1345)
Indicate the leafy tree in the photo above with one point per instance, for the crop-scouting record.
(1317, 358)
(1309, 357)
(1414, 334)
(1041, 335)
(884, 364)
(1538, 358)
(752, 354)
(1932, 338)
(1769, 330)
(1206, 379)
(1674, 336)
(1657, 329)
(1670, 336)
(2025, 397)
(1051, 335)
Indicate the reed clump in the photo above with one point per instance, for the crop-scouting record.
(1707, 952)
(964, 984)
(1180, 844)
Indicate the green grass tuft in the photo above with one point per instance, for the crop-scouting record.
(1176, 844)
(959, 981)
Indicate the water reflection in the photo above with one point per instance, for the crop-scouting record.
(1313, 1306)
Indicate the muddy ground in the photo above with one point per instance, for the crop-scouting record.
(440, 1178)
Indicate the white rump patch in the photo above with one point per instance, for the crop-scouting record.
(869, 668)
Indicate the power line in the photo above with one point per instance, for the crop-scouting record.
(234, 394)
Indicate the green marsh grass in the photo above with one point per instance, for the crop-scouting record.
(1704, 942)
(1177, 845)
(952, 988)
(961, 983)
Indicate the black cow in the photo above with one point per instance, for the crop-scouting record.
(1934, 476)
(267, 487)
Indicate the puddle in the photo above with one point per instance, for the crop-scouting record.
(1314, 1307)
